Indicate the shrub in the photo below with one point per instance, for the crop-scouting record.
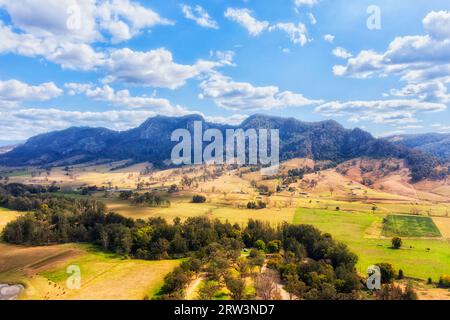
(387, 272)
(274, 246)
(260, 245)
(396, 243)
(444, 281)
(198, 199)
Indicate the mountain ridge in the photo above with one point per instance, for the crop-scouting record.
(325, 140)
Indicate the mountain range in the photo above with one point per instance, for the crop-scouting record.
(437, 144)
(326, 140)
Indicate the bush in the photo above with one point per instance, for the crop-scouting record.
(387, 272)
(274, 246)
(400, 274)
(444, 281)
(198, 199)
(260, 245)
(396, 243)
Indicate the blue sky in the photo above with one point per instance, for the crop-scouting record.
(113, 63)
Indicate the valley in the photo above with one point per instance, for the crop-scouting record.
(335, 200)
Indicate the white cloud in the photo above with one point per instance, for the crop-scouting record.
(245, 19)
(14, 91)
(24, 123)
(299, 3)
(232, 95)
(432, 91)
(399, 111)
(342, 53)
(298, 34)
(123, 98)
(155, 68)
(312, 18)
(329, 38)
(415, 58)
(200, 16)
(234, 119)
(437, 24)
(64, 31)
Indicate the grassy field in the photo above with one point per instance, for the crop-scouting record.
(42, 270)
(6, 216)
(418, 258)
(409, 226)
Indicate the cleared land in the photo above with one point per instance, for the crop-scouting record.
(43, 272)
(418, 258)
(409, 226)
(6, 216)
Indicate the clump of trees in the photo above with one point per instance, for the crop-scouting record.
(256, 205)
(151, 199)
(198, 199)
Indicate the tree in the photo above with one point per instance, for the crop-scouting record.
(396, 243)
(236, 287)
(260, 245)
(274, 246)
(198, 199)
(208, 290)
(387, 272)
(294, 286)
(265, 285)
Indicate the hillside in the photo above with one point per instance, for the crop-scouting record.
(437, 144)
(327, 140)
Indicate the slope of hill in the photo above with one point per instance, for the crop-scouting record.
(327, 140)
(437, 144)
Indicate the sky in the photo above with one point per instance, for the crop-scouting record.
(383, 66)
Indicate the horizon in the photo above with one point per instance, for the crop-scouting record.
(95, 64)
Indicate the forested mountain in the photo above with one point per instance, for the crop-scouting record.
(326, 140)
(437, 144)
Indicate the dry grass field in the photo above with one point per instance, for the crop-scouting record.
(43, 272)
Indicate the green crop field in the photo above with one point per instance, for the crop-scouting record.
(418, 258)
(409, 226)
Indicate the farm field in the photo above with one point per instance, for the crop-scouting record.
(6, 216)
(42, 270)
(359, 232)
(409, 226)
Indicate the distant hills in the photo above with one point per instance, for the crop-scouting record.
(327, 140)
(437, 144)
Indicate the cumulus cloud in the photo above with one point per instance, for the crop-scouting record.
(156, 68)
(200, 16)
(416, 58)
(329, 38)
(298, 34)
(341, 53)
(14, 91)
(64, 31)
(232, 95)
(244, 18)
(123, 98)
